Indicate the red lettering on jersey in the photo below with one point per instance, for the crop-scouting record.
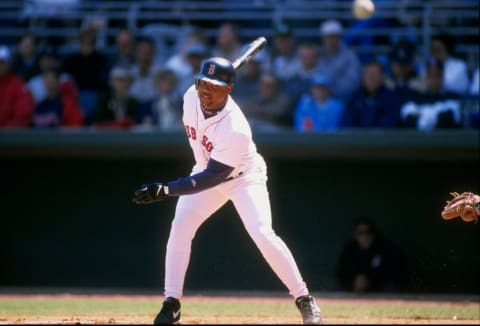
(191, 132)
(207, 144)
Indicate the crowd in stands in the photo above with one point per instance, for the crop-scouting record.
(319, 85)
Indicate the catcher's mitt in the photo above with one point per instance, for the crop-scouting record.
(464, 205)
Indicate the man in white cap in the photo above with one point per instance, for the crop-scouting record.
(338, 61)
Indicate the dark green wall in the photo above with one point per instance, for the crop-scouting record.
(68, 221)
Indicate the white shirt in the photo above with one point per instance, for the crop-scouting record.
(225, 137)
(455, 76)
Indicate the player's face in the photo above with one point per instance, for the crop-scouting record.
(212, 97)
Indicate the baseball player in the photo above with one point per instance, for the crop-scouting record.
(227, 167)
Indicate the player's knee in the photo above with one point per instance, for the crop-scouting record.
(263, 235)
(183, 228)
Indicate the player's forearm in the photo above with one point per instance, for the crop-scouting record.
(213, 175)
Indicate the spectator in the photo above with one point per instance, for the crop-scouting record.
(89, 69)
(269, 109)
(165, 111)
(194, 55)
(338, 61)
(116, 108)
(370, 263)
(373, 105)
(319, 110)
(143, 72)
(179, 61)
(25, 60)
(435, 107)
(124, 49)
(16, 102)
(228, 43)
(49, 60)
(455, 77)
(248, 83)
(56, 109)
(404, 80)
(299, 84)
(285, 61)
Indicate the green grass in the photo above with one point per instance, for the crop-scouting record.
(92, 307)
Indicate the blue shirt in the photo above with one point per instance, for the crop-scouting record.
(311, 115)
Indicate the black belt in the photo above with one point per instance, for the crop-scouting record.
(233, 177)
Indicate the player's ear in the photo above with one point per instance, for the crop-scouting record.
(196, 83)
(229, 87)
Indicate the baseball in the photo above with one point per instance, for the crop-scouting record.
(363, 9)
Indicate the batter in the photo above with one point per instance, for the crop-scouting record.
(227, 167)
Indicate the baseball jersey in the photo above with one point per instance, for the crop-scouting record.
(225, 137)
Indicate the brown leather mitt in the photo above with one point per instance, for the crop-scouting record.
(464, 205)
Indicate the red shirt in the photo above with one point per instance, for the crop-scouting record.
(16, 102)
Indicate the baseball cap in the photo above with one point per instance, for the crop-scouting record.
(5, 54)
(320, 79)
(331, 27)
(216, 70)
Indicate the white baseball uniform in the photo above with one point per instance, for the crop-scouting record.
(227, 138)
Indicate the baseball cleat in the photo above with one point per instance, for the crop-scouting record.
(309, 310)
(170, 313)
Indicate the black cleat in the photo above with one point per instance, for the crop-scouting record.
(170, 313)
(309, 310)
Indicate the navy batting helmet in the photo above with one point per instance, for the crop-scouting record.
(216, 70)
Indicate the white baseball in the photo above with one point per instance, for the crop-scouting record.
(363, 9)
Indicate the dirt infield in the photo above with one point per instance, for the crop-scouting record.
(213, 318)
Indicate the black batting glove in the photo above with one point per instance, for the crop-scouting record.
(149, 193)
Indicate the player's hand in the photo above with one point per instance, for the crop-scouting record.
(149, 193)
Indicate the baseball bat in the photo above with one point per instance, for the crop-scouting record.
(252, 50)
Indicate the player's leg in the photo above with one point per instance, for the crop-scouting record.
(190, 213)
(253, 206)
(252, 202)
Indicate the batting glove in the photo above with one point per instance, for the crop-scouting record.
(149, 193)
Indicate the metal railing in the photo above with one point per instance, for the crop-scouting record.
(255, 17)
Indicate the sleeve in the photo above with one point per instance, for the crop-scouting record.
(72, 114)
(23, 107)
(214, 174)
(409, 114)
(230, 148)
(456, 77)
